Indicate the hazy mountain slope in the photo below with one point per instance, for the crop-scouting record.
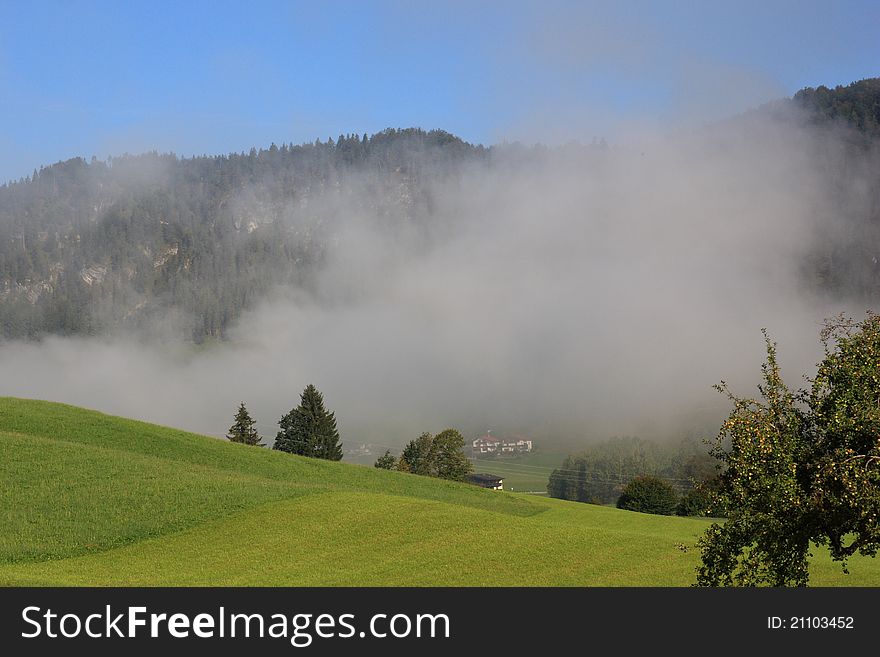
(189, 244)
(86, 247)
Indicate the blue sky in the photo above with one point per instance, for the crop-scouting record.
(103, 78)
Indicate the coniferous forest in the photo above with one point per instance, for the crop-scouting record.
(89, 247)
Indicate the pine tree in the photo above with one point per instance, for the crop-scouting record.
(309, 429)
(242, 430)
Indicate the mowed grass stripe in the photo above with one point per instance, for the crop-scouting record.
(356, 539)
(359, 539)
(61, 499)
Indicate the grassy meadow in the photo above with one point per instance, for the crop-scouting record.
(523, 473)
(91, 499)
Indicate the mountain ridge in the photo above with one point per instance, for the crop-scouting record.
(190, 244)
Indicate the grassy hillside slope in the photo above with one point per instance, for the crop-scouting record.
(90, 499)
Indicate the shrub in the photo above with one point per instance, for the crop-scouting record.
(696, 502)
(648, 494)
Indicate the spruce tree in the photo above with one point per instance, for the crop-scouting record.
(309, 429)
(242, 430)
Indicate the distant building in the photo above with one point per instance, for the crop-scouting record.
(491, 445)
(363, 449)
(486, 445)
(484, 480)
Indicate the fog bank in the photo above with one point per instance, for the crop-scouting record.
(568, 294)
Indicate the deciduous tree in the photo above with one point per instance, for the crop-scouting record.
(802, 467)
(436, 456)
(386, 462)
(449, 459)
(417, 456)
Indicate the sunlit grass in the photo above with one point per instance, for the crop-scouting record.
(89, 499)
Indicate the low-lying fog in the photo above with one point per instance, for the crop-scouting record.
(571, 294)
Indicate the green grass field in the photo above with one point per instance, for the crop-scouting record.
(526, 473)
(90, 499)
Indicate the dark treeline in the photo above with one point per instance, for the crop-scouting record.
(857, 104)
(599, 474)
(846, 260)
(190, 243)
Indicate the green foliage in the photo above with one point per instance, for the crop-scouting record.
(857, 104)
(449, 459)
(702, 471)
(417, 456)
(386, 461)
(763, 540)
(598, 474)
(309, 429)
(648, 494)
(242, 429)
(439, 456)
(802, 467)
(698, 501)
(844, 455)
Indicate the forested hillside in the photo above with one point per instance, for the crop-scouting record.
(88, 247)
(857, 104)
